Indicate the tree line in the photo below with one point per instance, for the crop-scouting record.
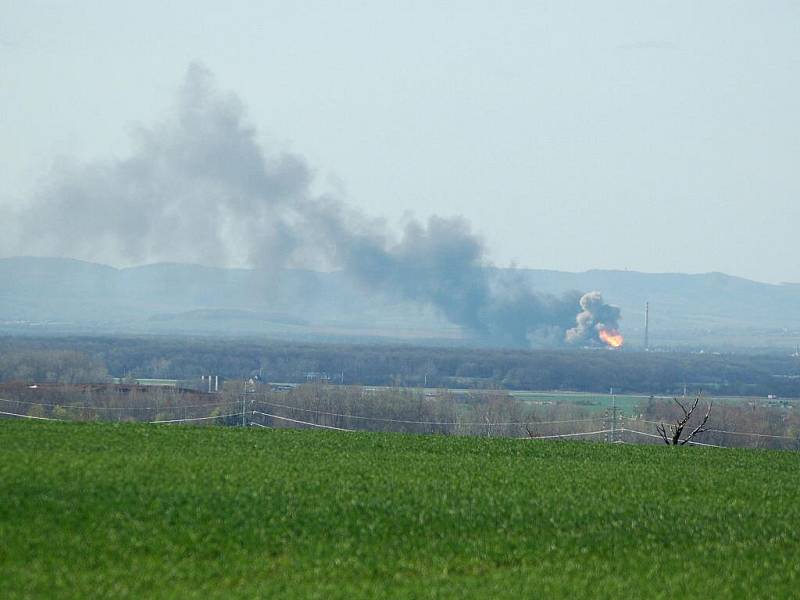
(83, 359)
(484, 413)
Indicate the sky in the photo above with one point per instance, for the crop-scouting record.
(650, 136)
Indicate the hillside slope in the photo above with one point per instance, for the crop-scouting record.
(49, 293)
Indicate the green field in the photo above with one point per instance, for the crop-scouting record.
(101, 510)
(628, 403)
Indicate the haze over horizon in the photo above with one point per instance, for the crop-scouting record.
(658, 138)
(249, 268)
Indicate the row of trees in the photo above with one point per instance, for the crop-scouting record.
(736, 424)
(676, 421)
(478, 412)
(481, 412)
(109, 402)
(52, 366)
(91, 359)
(484, 413)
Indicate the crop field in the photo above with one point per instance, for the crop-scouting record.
(136, 510)
(592, 402)
(628, 403)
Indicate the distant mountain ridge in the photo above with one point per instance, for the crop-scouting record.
(73, 295)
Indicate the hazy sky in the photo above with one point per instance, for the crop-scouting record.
(655, 136)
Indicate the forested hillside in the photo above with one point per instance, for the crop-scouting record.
(709, 311)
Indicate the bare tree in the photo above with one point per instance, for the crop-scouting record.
(675, 431)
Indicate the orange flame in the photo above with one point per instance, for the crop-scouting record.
(612, 338)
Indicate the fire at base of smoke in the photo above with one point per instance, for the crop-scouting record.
(199, 187)
(597, 323)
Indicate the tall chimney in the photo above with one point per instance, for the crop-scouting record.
(646, 326)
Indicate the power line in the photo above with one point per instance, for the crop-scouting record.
(196, 418)
(403, 421)
(388, 420)
(751, 433)
(29, 416)
(256, 412)
(767, 435)
(691, 442)
(86, 407)
(652, 435)
(563, 435)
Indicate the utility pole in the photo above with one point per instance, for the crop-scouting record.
(613, 436)
(244, 399)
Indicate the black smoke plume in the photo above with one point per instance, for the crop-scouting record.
(198, 187)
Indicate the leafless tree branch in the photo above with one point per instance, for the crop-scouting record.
(676, 431)
(661, 430)
(700, 428)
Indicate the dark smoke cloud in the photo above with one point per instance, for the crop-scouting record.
(595, 315)
(443, 263)
(200, 188)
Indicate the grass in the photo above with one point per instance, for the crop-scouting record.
(626, 403)
(90, 510)
(594, 402)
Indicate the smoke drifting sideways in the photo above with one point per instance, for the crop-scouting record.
(198, 187)
(595, 321)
